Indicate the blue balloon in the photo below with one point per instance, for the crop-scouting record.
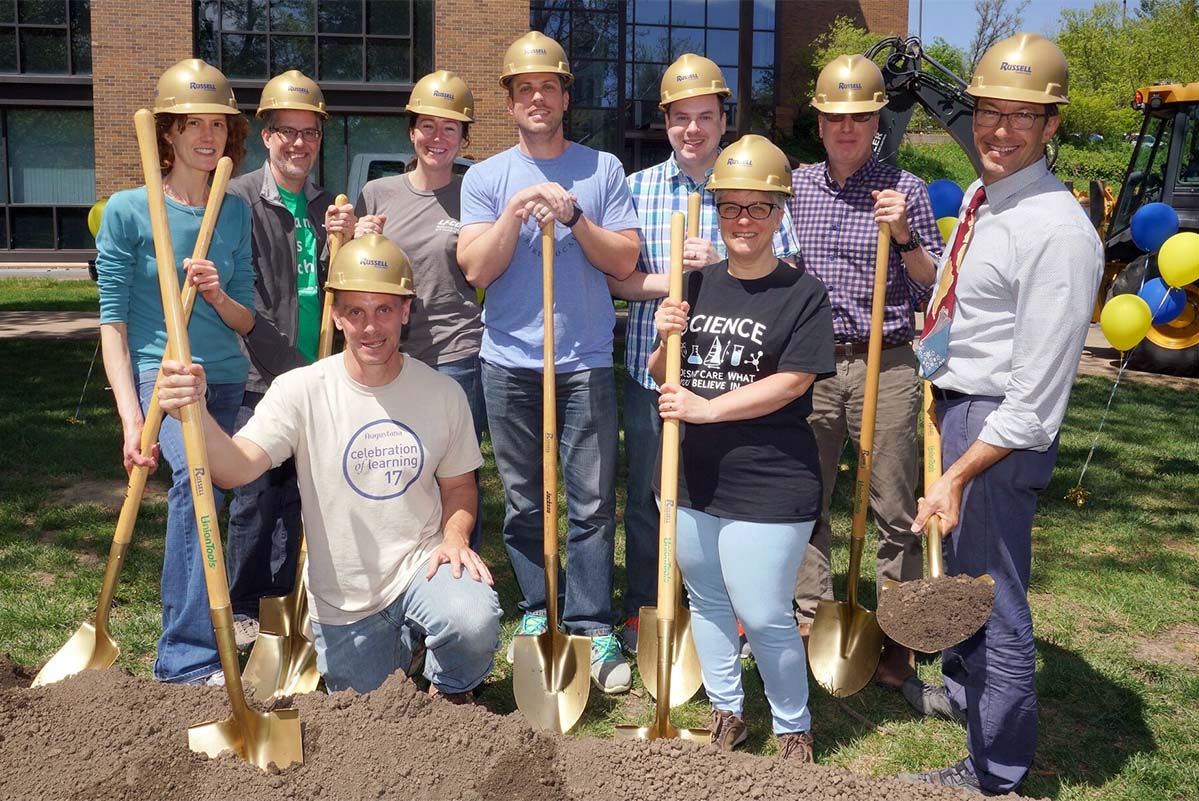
(1152, 225)
(1164, 301)
(946, 197)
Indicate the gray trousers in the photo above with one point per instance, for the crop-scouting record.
(836, 413)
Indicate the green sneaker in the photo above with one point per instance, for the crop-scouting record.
(609, 670)
(530, 623)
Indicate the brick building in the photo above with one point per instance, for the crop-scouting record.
(72, 72)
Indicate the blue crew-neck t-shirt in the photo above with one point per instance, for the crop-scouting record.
(583, 313)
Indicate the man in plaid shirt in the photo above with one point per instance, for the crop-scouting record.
(693, 92)
(837, 207)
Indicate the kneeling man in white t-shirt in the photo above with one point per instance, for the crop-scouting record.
(385, 454)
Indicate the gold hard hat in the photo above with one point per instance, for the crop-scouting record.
(372, 263)
(194, 87)
(294, 91)
(850, 85)
(752, 162)
(691, 76)
(442, 94)
(1025, 68)
(535, 52)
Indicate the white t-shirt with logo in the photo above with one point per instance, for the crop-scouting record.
(368, 460)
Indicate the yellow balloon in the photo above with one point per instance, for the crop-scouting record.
(1125, 320)
(94, 215)
(1178, 260)
(946, 225)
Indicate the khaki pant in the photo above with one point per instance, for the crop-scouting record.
(837, 411)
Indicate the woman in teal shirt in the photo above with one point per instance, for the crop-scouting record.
(197, 122)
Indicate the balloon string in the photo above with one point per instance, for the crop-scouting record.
(1077, 493)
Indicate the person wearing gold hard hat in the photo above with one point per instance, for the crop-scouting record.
(291, 219)
(693, 93)
(547, 180)
(420, 211)
(385, 454)
(1001, 343)
(756, 333)
(197, 122)
(837, 208)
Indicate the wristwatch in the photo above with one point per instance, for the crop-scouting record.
(912, 244)
(574, 218)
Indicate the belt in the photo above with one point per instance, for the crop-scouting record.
(847, 350)
(948, 394)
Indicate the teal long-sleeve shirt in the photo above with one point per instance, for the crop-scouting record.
(128, 277)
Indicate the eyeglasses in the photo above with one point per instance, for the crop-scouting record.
(289, 134)
(865, 116)
(758, 211)
(1019, 120)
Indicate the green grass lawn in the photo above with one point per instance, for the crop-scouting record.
(1115, 584)
(48, 294)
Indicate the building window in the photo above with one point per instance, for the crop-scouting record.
(49, 178)
(46, 37)
(351, 41)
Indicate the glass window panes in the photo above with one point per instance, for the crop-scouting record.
(243, 55)
(763, 49)
(8, 49)
(764, 14)
(554, 23)
(656, 12)
(340, 16)
(292, 16)
(595, 128)
(686, 40)
(32, 227)
(243, 15)
(51, 155)
(651, 44)
(724, 13)
(43, 50)
(81, 16)
(389, 60)
(595, 36)
(422, 25)
(389, 17)
(42, 12)
(8, 14)
(595, 84)
(81, 54)
(293, 53)
(341, 59)
(687, 12)
(722, 47)
(72, 229)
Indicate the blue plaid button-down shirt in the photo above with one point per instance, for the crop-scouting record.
(835, 229)
(658, 192)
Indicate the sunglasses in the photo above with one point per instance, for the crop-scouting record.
(865, 116)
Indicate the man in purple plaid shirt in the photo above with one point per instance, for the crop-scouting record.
(693, 92)
(836, 208)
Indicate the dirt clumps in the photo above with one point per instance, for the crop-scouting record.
(105, 734)
(931, 614)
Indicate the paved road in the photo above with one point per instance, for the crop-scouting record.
(60, 273)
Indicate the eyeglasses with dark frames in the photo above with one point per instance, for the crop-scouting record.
(758, 211)
(1019, 120)
(289, 134)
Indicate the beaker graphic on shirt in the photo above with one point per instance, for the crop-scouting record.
(694, 357)
(735, 360)
(714, 354)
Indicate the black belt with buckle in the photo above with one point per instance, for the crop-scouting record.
(847, 350)
(947, 394)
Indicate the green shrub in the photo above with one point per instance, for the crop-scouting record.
(933, 162)
(1081, 163)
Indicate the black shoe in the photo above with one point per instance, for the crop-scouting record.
(931, 701)
(958, 776)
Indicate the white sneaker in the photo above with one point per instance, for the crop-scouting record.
(609, 670)
(530, 623)
(245, 632)
(212, 680)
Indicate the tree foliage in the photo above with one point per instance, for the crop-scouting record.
(997, 19)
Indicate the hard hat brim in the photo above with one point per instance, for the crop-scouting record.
(432, 111)
(381, 287)
(1016, 95)
(746, 183)
(699, 91)
(857, 107)
(196, 108)
(507, 77)
(292, 107)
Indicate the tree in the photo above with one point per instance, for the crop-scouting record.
(997, 19)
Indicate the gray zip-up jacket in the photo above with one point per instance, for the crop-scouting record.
(271, 344)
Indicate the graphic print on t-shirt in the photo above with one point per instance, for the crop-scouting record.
(731, 358)
(382, 459)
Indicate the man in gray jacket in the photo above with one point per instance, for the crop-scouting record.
(291, 218)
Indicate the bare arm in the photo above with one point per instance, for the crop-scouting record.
(118, 367)
(762, 397)
(204, 275)
(485, 249)
(640, 286)
(613, 253)
(459, 498)
(944, 498)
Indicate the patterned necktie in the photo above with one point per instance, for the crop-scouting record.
(933, 348)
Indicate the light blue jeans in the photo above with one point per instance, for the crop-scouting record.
(187, 647)
(459, 620)
(734, 570)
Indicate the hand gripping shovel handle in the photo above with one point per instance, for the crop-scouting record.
(932, 474)
(325, 343)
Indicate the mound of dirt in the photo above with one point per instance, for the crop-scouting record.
(934, 613)
(105, 734)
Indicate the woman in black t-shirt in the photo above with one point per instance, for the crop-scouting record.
(756, 333)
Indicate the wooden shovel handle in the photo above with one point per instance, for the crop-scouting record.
(932, 474)
(324, 345)
(667, 521)
(549, 428)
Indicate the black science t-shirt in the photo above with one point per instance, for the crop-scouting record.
(764, 470)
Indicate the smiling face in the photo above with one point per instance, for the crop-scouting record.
(748, 239)
(436, 141)
(538, 103)
(199, 141)
(291, 159)
(694, 126)
(847, 143)
(372, 323)
(1004, 150)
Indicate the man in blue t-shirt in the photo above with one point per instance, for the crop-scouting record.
(505, 201)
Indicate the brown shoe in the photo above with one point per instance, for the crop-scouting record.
(728, 730)
(805, 631)
(797, 746)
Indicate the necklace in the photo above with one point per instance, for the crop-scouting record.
(169, 192)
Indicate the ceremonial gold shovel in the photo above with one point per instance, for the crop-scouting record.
(283, 659)
(551, 672)
(846, 642)
(260, 738)
(92, 646)
(663, 616)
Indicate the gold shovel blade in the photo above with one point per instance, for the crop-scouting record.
(958, 626)
(685, 674)
(260, 738)
(551, 677)
(844, 648)
(655, 732)
(264, 669)
(87, 649)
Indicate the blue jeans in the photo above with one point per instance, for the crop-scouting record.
(642, 433)
(262, 543)
(587, 451)
(187, 647)
(469, 376)
(992, 675)
(459, 620)
(734, 570)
